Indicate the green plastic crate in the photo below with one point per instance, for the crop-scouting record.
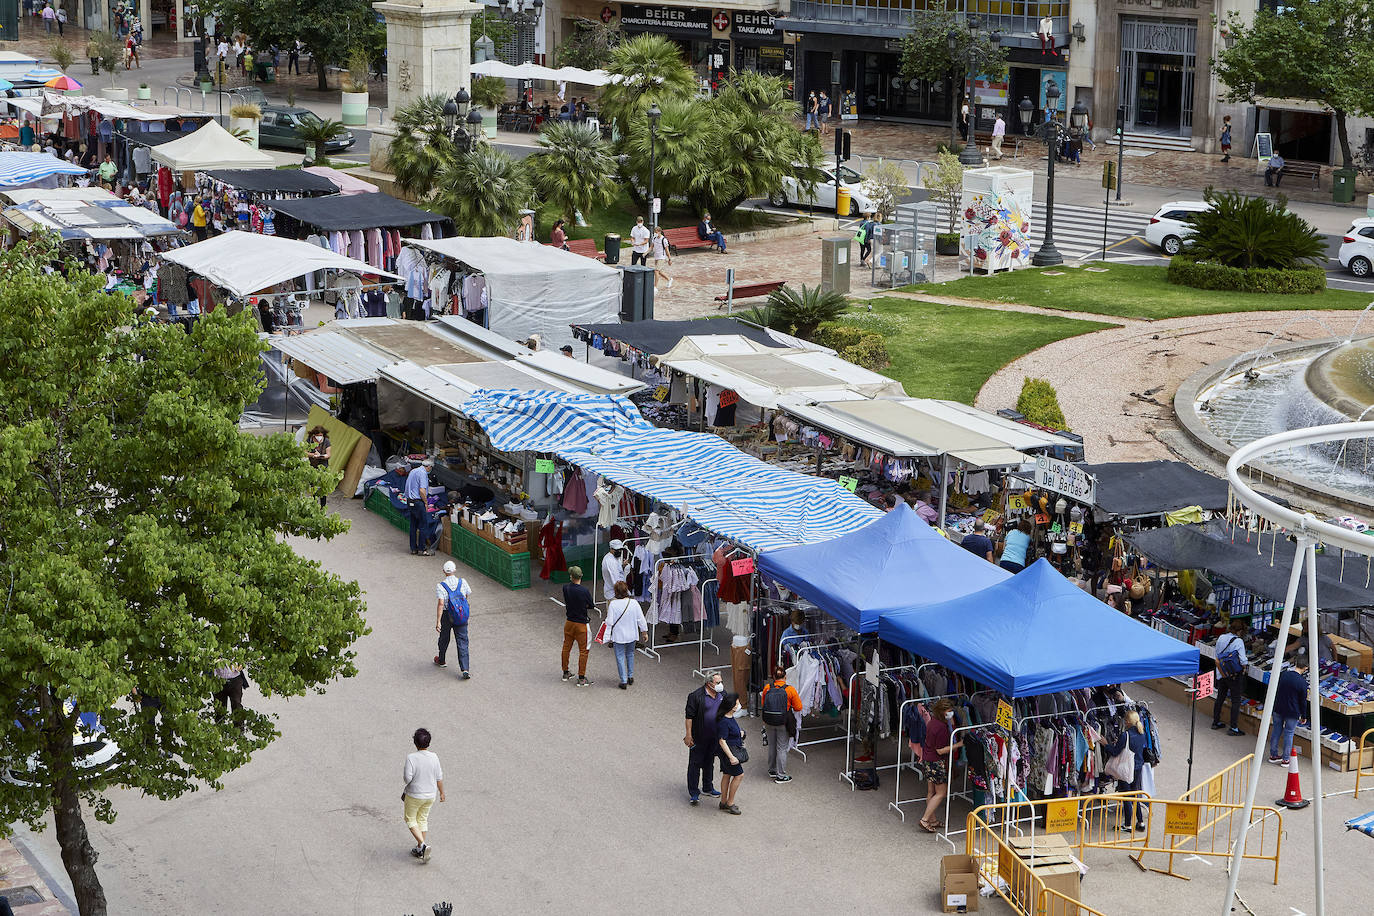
(379, 502)
(510, 569)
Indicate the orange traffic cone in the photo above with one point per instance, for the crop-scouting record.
(1292, 792)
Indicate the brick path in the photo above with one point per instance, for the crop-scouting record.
(16, 873)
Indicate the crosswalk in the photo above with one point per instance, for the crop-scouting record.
(1078, 230)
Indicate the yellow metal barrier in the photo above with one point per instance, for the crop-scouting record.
(1095, 822)
(1216, 825)
(1360, 771)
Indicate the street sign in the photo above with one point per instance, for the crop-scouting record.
(1066, 478)
(1109, 175)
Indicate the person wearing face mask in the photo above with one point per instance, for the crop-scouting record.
(703, 713)
(613, 568)
(731, 748)
(936, 754)
(317, 451)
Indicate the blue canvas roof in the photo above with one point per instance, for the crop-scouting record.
(1037, 633)
(896, 563)
(704, 477)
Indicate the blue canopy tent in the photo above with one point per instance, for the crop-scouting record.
(707, 479)
(1037, 633)
(897, 562)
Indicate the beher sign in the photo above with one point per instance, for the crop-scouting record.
(682, 21)
(760, 25)
(1066, 478)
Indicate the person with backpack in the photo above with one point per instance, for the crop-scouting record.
(625, 626)
(451, 616)
(1231, 662)
(780, 700)
(866, 229)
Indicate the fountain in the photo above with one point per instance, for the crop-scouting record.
(1284, 387)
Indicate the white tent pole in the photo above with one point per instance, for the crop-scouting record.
(1265, 716)
(944, 486)
(1314, 722)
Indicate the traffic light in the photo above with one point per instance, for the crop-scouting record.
(1121, 119)
(842, 138)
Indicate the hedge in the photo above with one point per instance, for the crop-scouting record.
(1039, 403)
(1184, 271)
(863, 348)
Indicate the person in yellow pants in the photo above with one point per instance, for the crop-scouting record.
(424, 780)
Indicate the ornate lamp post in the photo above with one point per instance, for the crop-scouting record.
(463, 121)
(1054, 132)
(969, 155)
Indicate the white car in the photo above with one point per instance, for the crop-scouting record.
(794, 189)
(1357, 248)
(1173, 223)
(94, 750)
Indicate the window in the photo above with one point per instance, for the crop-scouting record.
(1367, 232)
(849, 176)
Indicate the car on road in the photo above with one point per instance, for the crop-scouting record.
(280, 129)
(1357, 248)
(1172, 224)
(796, 189)
(94, 750)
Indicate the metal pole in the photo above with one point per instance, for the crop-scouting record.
(1314, 722)
(653, 141)
(1048, 255)
(1106, 209)
(970, 155)
(1120, 159)
(1192, 732)
(1266, 715)
(944, 486)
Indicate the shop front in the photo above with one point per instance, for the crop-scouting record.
(686, 26)
(758, 44)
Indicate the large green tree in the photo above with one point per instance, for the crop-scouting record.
(421, 146)
(482, 191)
(645, 69)
(1319, 50)
(142, 545)
(927, 55)
(331, 31)
(573, 168)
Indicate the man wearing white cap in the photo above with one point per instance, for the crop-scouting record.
(613, 568)
(451, 616)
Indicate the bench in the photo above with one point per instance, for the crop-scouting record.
(750, 291)
(1291, 169)
(584, 247)
(686, 237)
(983, 138)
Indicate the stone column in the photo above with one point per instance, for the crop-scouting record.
(428, 47)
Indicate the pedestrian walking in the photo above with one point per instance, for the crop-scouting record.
(936, 753)
(999, 133)
(49, 17)
(626, 626)
(1231, 645)
(230, 694)
(424, 780)
(811, 109)
(417, 504)
(293, 57)
(451, 616)
(239, 50)
(663, 257)
(1226, 139)
(866, 229)
(780, 700)
(1290, 704)
(577, 605)
(248, 61)
(703, 707)
(732, 751)
(963, 119)
(61, 20)
(823, 113)
(1132, 737)
(639, 242)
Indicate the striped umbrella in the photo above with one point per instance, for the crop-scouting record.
(41, 74)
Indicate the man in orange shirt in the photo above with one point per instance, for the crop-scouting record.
(779, 725)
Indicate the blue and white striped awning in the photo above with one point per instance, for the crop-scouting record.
(18, 169)
(1364, 823)
(704, 477)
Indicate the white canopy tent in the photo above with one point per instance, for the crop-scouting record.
(495, 67)
(584, 77)
(210, 147)
(535, 288)
(245, 263)
(532, 71)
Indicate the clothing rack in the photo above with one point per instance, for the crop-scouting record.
(897, 800)
(703, 633)
(846, 773)
(801, 729)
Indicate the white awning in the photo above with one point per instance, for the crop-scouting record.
(344, 358)
(210, 147)
(245, 262)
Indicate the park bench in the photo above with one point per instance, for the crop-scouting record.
(750, 291)
(1298, 169)
(686, 237)
(584, 247)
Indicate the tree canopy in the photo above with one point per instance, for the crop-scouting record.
(926, 52)
(142, 545)
(330, 31)
(1320, 50)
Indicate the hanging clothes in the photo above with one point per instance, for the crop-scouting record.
(551, 542)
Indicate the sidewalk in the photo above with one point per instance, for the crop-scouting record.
(28, 893)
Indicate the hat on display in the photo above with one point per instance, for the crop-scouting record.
(450, 568)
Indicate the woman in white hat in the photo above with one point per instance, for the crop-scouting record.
(613, 568)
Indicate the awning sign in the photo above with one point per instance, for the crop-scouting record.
(1063, 477)
(669, 20)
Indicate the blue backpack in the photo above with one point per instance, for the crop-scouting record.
(458, 608)
(1228, 661)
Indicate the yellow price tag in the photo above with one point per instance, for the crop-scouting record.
(1004, 714)
(1061, 816)
(990, 517)
(661, 393)
(1016, 503)
(1076, 527)
(1181, 819)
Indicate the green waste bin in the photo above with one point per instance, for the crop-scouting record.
(1343, 186)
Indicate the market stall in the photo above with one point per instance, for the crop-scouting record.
(516, 289)
(33, 170)
(209, 147)
(369, 227)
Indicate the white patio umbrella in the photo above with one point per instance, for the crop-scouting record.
(495, 68)
(583, 77)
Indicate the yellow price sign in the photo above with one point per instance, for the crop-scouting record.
(990, 517)
(1075, 527)
(1016, 503)
(1061, 816)
(1181, 819)
(661, 393)
(1004, 714)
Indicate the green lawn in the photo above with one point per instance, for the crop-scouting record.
(1128, 290)
(949, 351)
(619, 217)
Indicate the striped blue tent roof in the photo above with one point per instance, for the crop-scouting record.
(19, 168)
(1364, 823)
(704, 477)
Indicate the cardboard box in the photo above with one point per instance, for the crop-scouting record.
(1354, 654)
(1064, 879)
(1050, 858)
(958, 884)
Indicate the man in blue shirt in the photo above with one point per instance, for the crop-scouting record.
(417, 492)
(1290, 704)
(978, 543)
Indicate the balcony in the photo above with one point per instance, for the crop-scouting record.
(1017, 19)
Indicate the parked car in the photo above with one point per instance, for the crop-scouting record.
(1357, 248)
(794, 189)
(1173, 223)
(93, 751)
(280, 125)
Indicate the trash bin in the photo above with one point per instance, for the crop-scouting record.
(1343, 186)
(611, 246)
(842, 202)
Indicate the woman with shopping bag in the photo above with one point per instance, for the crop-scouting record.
(1125, 760)
(624, 627)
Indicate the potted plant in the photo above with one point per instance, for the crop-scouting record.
(316, 132)
(109, 56)
(488, 94)
(245, 116)
(145, 91)
(354, 86)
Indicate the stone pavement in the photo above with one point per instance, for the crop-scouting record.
(20, 881)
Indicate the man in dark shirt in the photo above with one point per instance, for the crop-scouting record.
(1290, 706)
(978, 542)
(577, 601)
(702, 738)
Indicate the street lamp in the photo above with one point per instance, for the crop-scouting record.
(969, 155)
(463, 121)
(1053, 132)
(654, 114)
(519, 16)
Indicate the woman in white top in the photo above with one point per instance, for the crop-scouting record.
(625, 624)
(658, 245)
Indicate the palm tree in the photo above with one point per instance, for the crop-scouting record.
(482, 192)
(421, 148)
(488, 92)
(681, 142)
(573, 168)
(317, 132)
(647, 67)
(807, 310)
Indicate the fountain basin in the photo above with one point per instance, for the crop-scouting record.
(1343, 377)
